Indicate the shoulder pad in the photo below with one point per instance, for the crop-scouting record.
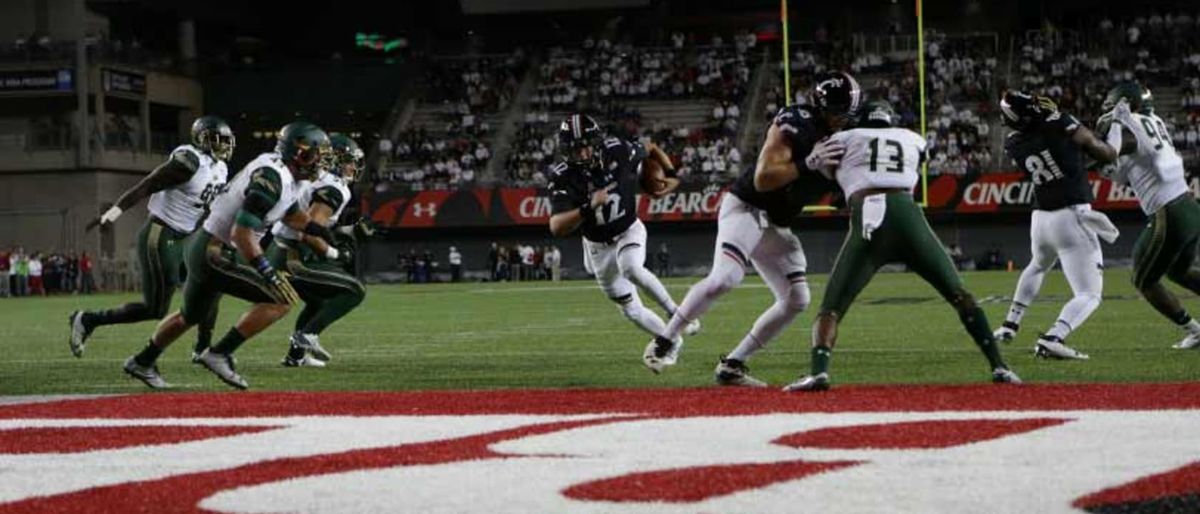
(188, 157)
(794, 118)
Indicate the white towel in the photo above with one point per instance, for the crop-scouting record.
(874, 208)
(1100, 224)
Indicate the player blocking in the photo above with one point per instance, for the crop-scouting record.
(876, 167)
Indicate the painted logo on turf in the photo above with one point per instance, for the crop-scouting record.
(660, 459)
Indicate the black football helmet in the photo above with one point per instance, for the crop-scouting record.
(213, 136)
(879, 113)
(577, 133)
(837, 94)
(1021, 111)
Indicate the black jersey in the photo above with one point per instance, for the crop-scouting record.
(804, 129)
(571, 187)
(1054, 162)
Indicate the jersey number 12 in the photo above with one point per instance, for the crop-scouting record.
(613, 205)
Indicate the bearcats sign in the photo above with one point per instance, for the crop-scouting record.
(983, 448)
(508, 206)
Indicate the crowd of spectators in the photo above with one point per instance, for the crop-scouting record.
(601, 70)
(40, 274)
(484, 84)
(424, 161)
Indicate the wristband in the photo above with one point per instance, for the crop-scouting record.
(331, 253)
(262, 265)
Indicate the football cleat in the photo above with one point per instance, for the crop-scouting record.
(660, 353)
(221, 365)
(733, 372)
(818, 382)
(1051, 347)
(147, 374)
(1191, 342)
(307, 361)
(311, 343)
(1007, 332)
(1005, 376)
(79, 333)
(692, 328)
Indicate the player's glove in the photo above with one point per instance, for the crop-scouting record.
(108, 218)
(825, 156)
(277, 281)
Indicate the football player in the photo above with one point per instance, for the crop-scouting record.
(594, 189)
(877, 173)
(753, 226)
(180, 190)
(1150, 165)
(225, 257)
(1049, 145)
(328, 291)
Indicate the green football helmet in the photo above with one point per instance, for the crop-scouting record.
(213, 136)
(1139, 98)
(345, 158)
(302, 146)
(879, 113)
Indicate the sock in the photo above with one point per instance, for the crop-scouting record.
(1015, 312)
(148, 355)
(1060, 330)
(745, 349)
(128, 313)
(230, 343)
(975, 321)
(820, 359)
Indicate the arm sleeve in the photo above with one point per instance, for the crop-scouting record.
(563, 196)
(261, 195)
(330, 196)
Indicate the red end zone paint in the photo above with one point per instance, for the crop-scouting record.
(697, 483)
(83, 439)
(659, 402)
(1179, 482)
(914, 434)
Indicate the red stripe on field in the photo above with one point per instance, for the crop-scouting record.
(914, 434)
(183, 493)
(699, 483)
(83, 439)
(1178, 482)
(658, 402)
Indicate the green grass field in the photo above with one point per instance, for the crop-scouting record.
(568, 335)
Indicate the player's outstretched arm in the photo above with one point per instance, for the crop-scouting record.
(176, 170)
(775, 168)
(1093, 146)
(658, 173)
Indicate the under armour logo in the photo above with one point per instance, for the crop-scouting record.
(422, 210)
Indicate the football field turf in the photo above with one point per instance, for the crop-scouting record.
(550, 335)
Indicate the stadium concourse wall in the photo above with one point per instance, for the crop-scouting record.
(980, 214)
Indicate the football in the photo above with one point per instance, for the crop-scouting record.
(655, 181)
